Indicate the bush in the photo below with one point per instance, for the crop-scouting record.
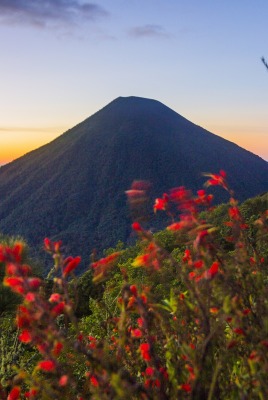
(182, 315)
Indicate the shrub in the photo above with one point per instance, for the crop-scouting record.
(184, 318)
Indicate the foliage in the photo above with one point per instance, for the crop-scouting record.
(183, 314)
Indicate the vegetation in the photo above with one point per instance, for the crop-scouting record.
(182, 314)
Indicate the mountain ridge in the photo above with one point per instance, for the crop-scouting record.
(73, 188)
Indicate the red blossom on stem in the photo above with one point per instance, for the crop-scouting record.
(71, 265)
(47, 365)
(25, 336)
(137, 227)
(161, 204)
(217, 180)
(14, 394)
(145, 351)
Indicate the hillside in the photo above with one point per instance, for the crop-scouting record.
(73, 188)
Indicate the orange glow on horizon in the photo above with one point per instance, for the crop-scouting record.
(253, 140)
(16, 142)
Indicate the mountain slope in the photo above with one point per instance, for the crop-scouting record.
(73, 188)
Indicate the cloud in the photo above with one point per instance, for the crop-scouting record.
(148, 31)
(49, 12)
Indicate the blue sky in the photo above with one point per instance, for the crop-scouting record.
(62, 60)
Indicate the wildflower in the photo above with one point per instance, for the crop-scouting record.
(161, 204)
(239, 331)
(57, 348)
(186, 387)
(14, 394)
(63, 380)
(47, 365)
(149, 371)
(136, 333)
(54, 298)
(25, 336)
(212, 271)
(72, 264)
(187, 255)
(136, 227)
(133, 289)
(34, 283)
(214, 310)
(58, 308)
(94, 381)
(30, 297)
(217, 179)
(31, 393)
(16, 284)
(145, 351)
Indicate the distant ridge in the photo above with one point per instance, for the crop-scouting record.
(73, 188)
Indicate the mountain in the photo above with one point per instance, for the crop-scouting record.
(73, 188)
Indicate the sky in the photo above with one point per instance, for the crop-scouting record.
(63, 60)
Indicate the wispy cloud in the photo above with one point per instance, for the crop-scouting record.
(44, 13)
(149, 30)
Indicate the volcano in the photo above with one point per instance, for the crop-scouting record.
(73, 188)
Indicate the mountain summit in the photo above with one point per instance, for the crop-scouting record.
(73, 188)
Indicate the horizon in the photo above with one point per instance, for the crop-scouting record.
(65, 61)
(53, 137)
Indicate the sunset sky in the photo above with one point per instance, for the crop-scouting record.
(63, 60)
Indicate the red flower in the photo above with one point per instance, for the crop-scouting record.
(176, 226)
(133, 289)
(187, 255)
(30, 297)
(34, 283)
(212, 271)
(47, 365)
(25, 336)
(186, 387)
(145, 351)
(17, 251)
(52, 246)
(136, 227)
(198, 264)
(72, 264)
(55, 298)
(179, 194)
(234, 213)
(63, 380)
(239, 331)
(59, 308)
(149, 371)
(32, 393)
(14, 394)
(137, 333)
(106, 261)
(192, 275)
(217, 180)
(94, 381)
(16, 284)
(57, 348)
(161, 204)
